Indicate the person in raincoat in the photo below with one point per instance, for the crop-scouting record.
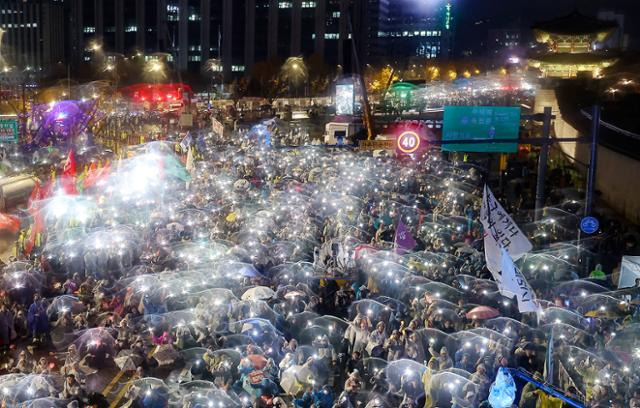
(323, 397)
(6, 328)
(598, 273)
(37, 319)
(358, 334)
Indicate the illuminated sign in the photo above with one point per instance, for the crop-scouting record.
(8, 130)
(447, 16)
(377, 144)
(344, 99)
(408, 142)
(480, 123)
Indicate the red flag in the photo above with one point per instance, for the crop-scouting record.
(35, 195)
(47, 190)
(70, 165)
(95, 175)
(38, 220)
(9, 223)
(69, 174)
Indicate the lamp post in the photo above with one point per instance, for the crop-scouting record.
(294, 70)
(155, 69)
(214, 65)
(2, 61)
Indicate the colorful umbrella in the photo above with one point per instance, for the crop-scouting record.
(482, 313)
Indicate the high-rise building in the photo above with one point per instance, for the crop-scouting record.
(31, 36)
(239, 33)
(411, 28)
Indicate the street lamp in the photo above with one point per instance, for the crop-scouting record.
(214, 65)
(294, 71)
(2, 62)
(95, 46)
(155, 69)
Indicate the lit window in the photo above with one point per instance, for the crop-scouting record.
(131, 29)
(237, 68)
(331, 36)
(89, 30)
(335, 14)
(195, 58)
(285, 4)
(308, 4)
(194, 17)
(172, 8)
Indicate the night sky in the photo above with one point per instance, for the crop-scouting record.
(475, 17)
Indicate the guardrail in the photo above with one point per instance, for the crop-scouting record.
(612, 127)
(565, 381)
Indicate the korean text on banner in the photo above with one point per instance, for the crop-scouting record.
(500, 232)
(514, 283)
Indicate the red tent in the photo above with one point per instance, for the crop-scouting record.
(157, 92)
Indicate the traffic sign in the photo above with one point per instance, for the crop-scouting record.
(589, 225)
(480, 123)
(408, 142)
(8, 130)
(389, 144)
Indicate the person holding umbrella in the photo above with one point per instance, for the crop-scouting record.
(37, 319)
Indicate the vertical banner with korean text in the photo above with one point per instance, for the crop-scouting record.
(500, 231)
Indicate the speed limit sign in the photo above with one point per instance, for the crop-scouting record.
(408, 142)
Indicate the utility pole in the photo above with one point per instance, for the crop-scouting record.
(542, 162)
(23, 115)
(368, 117)
(591, 178)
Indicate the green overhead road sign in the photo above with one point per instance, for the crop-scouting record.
(8, 130)
(480, 122)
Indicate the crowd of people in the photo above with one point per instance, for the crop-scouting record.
(262, 276)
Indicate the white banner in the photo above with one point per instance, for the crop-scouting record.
(514, 283)
(629, 271)
(217, 127)
(500, 231)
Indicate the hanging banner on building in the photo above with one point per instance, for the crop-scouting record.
(480, 123)
(8, 130)
(500, 231)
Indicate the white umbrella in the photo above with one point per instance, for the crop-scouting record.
(241, 184)
(128, 360)
(296, 379)
(258, 293)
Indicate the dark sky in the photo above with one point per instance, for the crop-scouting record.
(475, 17)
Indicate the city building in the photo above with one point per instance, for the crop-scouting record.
(573, 45)
(407, 29)
(235, 33)
(504, 40)
(31, 34)
(239, 33)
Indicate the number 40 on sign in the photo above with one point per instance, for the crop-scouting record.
(408, 142)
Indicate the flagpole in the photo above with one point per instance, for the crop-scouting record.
(549, 359)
